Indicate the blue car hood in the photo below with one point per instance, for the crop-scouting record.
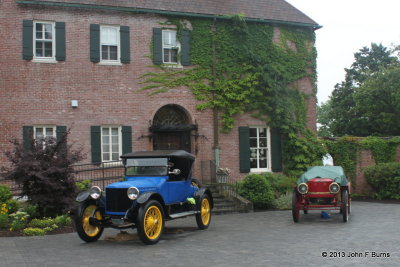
(148, 183)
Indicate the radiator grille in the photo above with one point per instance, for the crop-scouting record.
(117, 200)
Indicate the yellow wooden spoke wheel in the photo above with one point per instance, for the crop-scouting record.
(203, 218)
(85, 230)
(150, 224)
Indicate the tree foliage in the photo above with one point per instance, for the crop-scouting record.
(366, 102)
(45, 173)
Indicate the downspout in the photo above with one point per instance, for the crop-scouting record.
(216, 146)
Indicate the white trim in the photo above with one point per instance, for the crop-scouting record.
(268, 148)
(118, 60)
(110, 143)
(51, 59)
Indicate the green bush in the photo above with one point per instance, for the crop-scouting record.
(284, 202)
(12, 205)
(83, 185)
(257, 189)
(5, 193)
(32, 211)
(18, 220)
(33, 231)
(4, 221)
(384, 179)
(42, 223)
(280, 183)
(63, 220)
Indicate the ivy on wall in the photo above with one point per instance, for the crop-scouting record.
(238, 68)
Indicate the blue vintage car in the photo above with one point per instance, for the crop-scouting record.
(157, 187)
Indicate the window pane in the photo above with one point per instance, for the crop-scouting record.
(49, 132)
(263, 142)
(39, 49)
(253, 142)
(262, 132)
(106, 140)
(115, 156)
(106, 148)
(262, 152)
(114, 131)
(253, 132)
(174, 55)
(113, 53)
(39, 32)
(253, 163)
(48, 49)
(48, 31)
(263, 163)
(39, 133)
(106, 156)
(166, 55)
(115, 148)
(114, 139)
(253, 153)
(109, 35)
(105, 131)
(104, 52)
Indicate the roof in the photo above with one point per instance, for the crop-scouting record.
(159, 153)
(334, 172)
(273, 11)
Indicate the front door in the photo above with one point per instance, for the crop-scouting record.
(172, 141)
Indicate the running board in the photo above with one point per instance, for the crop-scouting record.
(183, 214)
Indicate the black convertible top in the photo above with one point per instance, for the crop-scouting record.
(159, 153)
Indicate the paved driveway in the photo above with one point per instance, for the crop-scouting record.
(371, 237)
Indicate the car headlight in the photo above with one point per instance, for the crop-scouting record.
(132, 193)
(302, 188)
(95, 192)
(334, 188)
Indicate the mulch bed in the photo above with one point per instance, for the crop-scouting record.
(61, 230)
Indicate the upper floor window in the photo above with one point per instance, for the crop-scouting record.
(170, 47)
(259, 149)
(44, 40)
(109, 42)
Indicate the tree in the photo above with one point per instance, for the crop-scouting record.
(341, 115)
(45, 173)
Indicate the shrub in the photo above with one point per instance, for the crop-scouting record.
(63, 220)
(384, 179)
(284, 202)
(42, 223)
(258, 190)
(34, 231)
(32, 211)
(280, 183)
(12, 205)
(4, 221)
(45, 172)
(83, 185)
(18, 220)
(5, 193)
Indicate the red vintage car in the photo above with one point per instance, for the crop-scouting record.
(322, 188)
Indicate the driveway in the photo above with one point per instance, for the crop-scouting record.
(371, 237)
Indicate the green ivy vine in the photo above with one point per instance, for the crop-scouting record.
(238, 68)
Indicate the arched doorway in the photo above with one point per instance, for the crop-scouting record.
(171, 129)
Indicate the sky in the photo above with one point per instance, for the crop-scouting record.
(347, 26)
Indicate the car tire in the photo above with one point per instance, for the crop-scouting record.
(203, 218)
(345, 206)
(295, 209)
(150, 224)
(86, 231)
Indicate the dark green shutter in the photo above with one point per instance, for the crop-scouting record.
(126, 139)
(95, 139)
(61, 132)
(27, 137)
(125, 44)
(27, 40)
(60, 41)
(276, 150)
(157, 46)
(185, 46)
(244, 149)
(95, 43)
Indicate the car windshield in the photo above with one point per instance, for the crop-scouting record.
(147, 167)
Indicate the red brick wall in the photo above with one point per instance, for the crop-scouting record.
(365, 159)
(41, 93)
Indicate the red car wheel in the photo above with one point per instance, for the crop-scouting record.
(295, 209)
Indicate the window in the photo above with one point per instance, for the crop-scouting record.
(170, 47)
(111, 143)
(44, 40)
(41, 134)
(259, 149)
(109, 42)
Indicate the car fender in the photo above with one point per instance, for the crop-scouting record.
(143, 198)
(199, 194)
(85, 196)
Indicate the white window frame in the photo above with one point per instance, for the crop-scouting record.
(110, 142)
(268, 148)
(44, 127)
(110, 61)
(176, 46)
(51, 59)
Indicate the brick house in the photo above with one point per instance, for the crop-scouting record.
(75, 64)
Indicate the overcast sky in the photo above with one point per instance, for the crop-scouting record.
(348, 25)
